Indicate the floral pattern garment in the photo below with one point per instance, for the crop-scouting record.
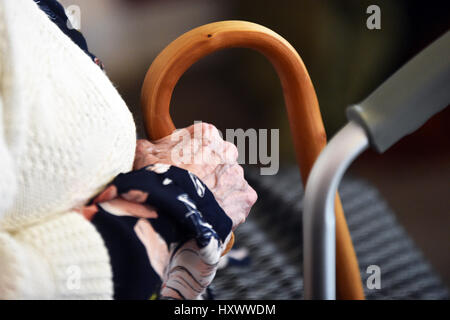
(164, 231)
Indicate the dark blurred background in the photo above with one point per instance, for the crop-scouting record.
(238, 88)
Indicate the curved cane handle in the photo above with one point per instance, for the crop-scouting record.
(301, 102)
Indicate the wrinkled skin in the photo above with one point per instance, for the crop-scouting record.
(215, 164)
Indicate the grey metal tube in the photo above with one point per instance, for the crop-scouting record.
(319, 231)
(405, 101)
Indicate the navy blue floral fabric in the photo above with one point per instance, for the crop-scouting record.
(185, 216)
(181, 196)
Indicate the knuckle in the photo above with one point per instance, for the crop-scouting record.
(206, 128)
(239, 171)
(142, 143)
(243, 218)
(252, 196)
(231, 152)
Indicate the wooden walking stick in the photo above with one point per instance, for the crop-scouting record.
(301, 102)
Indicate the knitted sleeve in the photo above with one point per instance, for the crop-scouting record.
(19, 264)
(16, 278)
(8, 183)
(61, 256)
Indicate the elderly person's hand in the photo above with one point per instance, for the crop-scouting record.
(157, 196)
(201, 150)
(194, 228)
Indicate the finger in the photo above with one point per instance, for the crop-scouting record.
(89, 211)
(121, 207)
(146, 153)
(108, 194)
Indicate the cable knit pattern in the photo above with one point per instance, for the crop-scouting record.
(18, 271)
(77, 254)
(65, 133)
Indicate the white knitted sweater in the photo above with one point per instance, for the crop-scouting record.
(64, 134)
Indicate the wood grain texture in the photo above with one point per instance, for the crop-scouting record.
(300, 98)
